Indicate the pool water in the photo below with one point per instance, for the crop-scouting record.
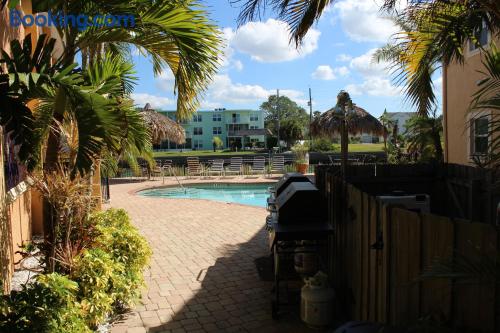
(246, 194)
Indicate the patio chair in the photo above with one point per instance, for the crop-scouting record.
(167, 167)
(216, 167)
(157, 170)
(235, 165)
(259, 165)
(194, 167)
(277, 165)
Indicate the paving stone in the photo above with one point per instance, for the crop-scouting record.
(202, 276)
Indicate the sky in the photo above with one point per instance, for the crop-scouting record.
(336, 54)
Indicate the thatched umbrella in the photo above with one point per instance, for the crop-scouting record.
(358, 121)
(162, 128)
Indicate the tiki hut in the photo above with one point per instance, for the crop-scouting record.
(162, 128)
(359, 121)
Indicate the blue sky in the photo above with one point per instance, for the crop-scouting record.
(258, 60)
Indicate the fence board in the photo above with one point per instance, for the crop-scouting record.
(437, 244)
(405, 266)
(474, 305)
(365, 259)
(372, 253)
(355, 200)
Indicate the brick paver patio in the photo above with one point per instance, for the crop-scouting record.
(202, 276)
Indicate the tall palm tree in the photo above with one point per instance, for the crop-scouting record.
(423, 135)
(97, 114)
(487, 98)
(176, 35)
(302, 14)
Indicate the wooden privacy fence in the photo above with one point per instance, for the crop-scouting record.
(379, 252)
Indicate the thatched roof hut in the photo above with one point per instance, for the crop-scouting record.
(359, 121)
(162, 128)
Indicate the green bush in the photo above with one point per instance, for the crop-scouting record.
(122, 241)
(96, 274)
(48, 305)
(322, 145)
(105, 278)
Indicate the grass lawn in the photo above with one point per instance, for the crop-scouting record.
(200, 153)
(363, 147)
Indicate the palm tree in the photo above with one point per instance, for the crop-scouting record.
(487, 98)
(423, 135)
(433, 35)
(175, 35)
(387, 123)
(97, 116)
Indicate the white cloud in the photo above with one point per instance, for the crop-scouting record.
(362, 21)
(140, 99)
(342, 71)
(224, 90)
(366, 66)
(238, 65)
(376, 77)
(323, 72)
(438, 85)
(343, 57)
(270, 41)
(166, 81)
(374, 86)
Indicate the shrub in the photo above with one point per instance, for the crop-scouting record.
(47, 305)
(119, 238)
(322, 145)
(97, 275)
(105, 277)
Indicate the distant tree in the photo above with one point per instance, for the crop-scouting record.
(388, 126)
(288, 110)
(423, 134)
(217, 142)
(291, 130)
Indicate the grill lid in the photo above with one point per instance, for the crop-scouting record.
(287, 179)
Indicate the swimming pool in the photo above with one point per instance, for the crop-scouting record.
(246, 194)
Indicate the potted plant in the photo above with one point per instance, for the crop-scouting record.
(301, 152)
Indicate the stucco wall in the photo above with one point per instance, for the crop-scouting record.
(459, 84)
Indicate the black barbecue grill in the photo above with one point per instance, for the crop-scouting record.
(298, 214)
(282, 184)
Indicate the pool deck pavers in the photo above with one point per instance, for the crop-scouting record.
(202, 276)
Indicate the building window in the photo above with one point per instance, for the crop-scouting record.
(198, 131)
(197, 118)
(236, 118)
(479, 136)
(217, 130)
(254, 117)
(254, 127)
(481, 38)
(197, 144)
(217, 117)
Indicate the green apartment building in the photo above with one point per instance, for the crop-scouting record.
(236, 128)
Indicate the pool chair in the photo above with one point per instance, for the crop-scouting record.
(167, 168)
(156, 171)
(259, 165)
(277, 165)
(217, 167)
(194, 167)
(235, 166)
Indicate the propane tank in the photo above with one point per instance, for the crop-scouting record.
(316, 306)
(305, 260)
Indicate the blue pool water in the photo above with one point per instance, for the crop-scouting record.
(246, 194)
